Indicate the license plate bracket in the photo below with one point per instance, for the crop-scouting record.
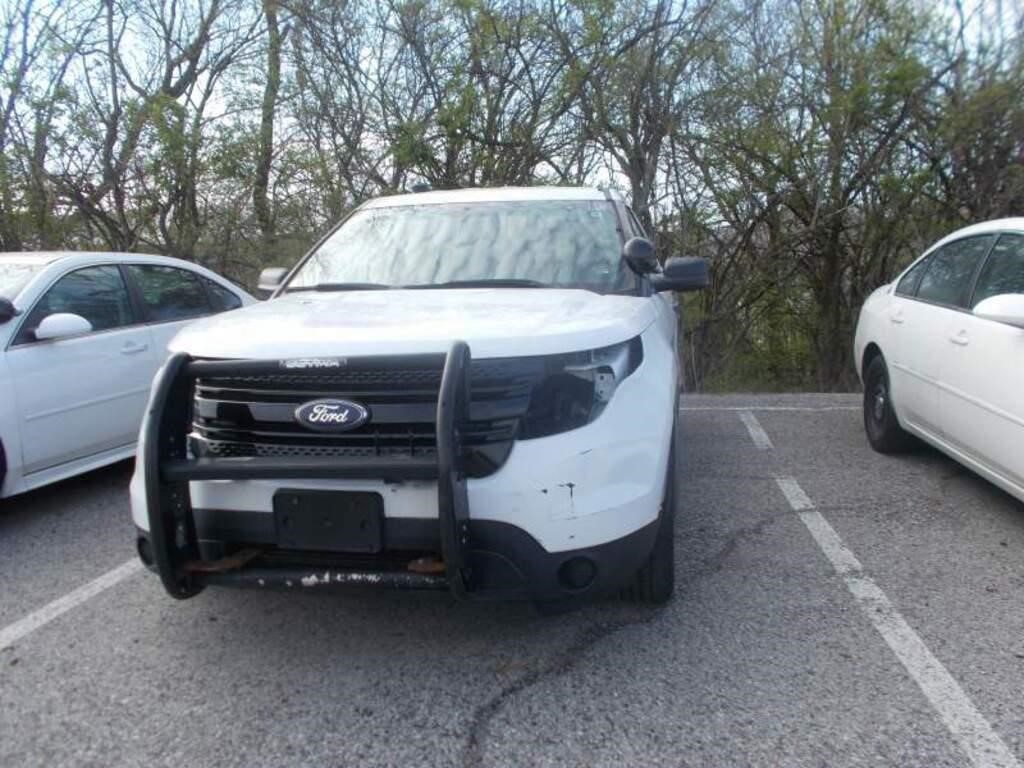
(332, 521)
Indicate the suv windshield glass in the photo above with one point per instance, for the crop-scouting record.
(14, 275)
(569, 244)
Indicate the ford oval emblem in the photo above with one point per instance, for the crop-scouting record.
(331, 415)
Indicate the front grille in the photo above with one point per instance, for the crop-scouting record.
(253, 414)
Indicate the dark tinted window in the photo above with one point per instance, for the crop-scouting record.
(222, 298)
(1004, 270)
(907, 286)
(170, 294)
(96, 293)
(950, 269)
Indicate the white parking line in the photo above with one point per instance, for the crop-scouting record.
(842, 559)
(14, 632)
(974, 734)
(757, 433)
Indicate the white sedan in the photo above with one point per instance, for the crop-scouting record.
(940, 351)
(81, 336)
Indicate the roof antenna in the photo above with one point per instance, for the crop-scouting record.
(421, 186)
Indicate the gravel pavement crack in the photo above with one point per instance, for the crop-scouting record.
(568, 658)
(563, 663)
(716, 562)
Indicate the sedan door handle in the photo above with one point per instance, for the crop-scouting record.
(896, 317)
(133, 348)
(960, 339)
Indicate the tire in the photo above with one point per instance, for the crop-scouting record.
(880, 423)
(655, 582)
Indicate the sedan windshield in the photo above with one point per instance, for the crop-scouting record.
(14, 275)
(568, 244)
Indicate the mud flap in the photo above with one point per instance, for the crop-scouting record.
(453, 501)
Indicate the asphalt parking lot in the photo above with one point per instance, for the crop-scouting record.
(834, 607)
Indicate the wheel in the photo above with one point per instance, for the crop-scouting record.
(883, 428)
(655, 582)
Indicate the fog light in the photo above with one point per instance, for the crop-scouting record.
(145, 550)
(577, 573)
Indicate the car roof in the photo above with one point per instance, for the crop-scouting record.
(1015, 223)
(48, 257)
(61, 261)
(1009, 224)
(33, 257)
(491, 195)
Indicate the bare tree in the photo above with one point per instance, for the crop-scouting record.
(268, 115)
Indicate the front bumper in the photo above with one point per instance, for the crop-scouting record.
(504, 561)
(567, 514)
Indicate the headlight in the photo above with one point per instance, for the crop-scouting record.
(577, 387)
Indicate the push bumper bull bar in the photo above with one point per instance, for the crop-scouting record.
(168, 469)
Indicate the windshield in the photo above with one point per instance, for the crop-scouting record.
(14, 275)
(569, 244)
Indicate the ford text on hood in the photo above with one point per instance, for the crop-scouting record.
(472, 391)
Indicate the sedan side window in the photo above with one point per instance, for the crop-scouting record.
(169, 293)
(908, 285)
(950, 270)
(1004, 270)
(98, 294)
(222, 298)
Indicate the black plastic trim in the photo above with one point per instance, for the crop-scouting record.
(483, 559)
(241, 368)
(324, 579)
(168, 470)
(507, 564)
(453, 501)
(171, 527)
(289, 468)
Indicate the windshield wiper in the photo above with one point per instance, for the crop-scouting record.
(341, 287)
(497, 282)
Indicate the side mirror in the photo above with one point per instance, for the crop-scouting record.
(271, 279)
(62, 325)
(682, 274)
(639, 254)
(1007, 308)
(7, 310)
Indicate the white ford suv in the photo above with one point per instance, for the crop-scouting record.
(471, 390)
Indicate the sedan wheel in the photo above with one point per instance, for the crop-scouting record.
(883, 428)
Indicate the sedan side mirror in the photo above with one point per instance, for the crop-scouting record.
(62, 325)
(1007, 308)
(639, 254)
(271, 279)
(7, 310)
(682, 274)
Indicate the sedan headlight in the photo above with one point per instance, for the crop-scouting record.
(577, 387)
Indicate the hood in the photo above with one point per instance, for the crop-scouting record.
(495, 322)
